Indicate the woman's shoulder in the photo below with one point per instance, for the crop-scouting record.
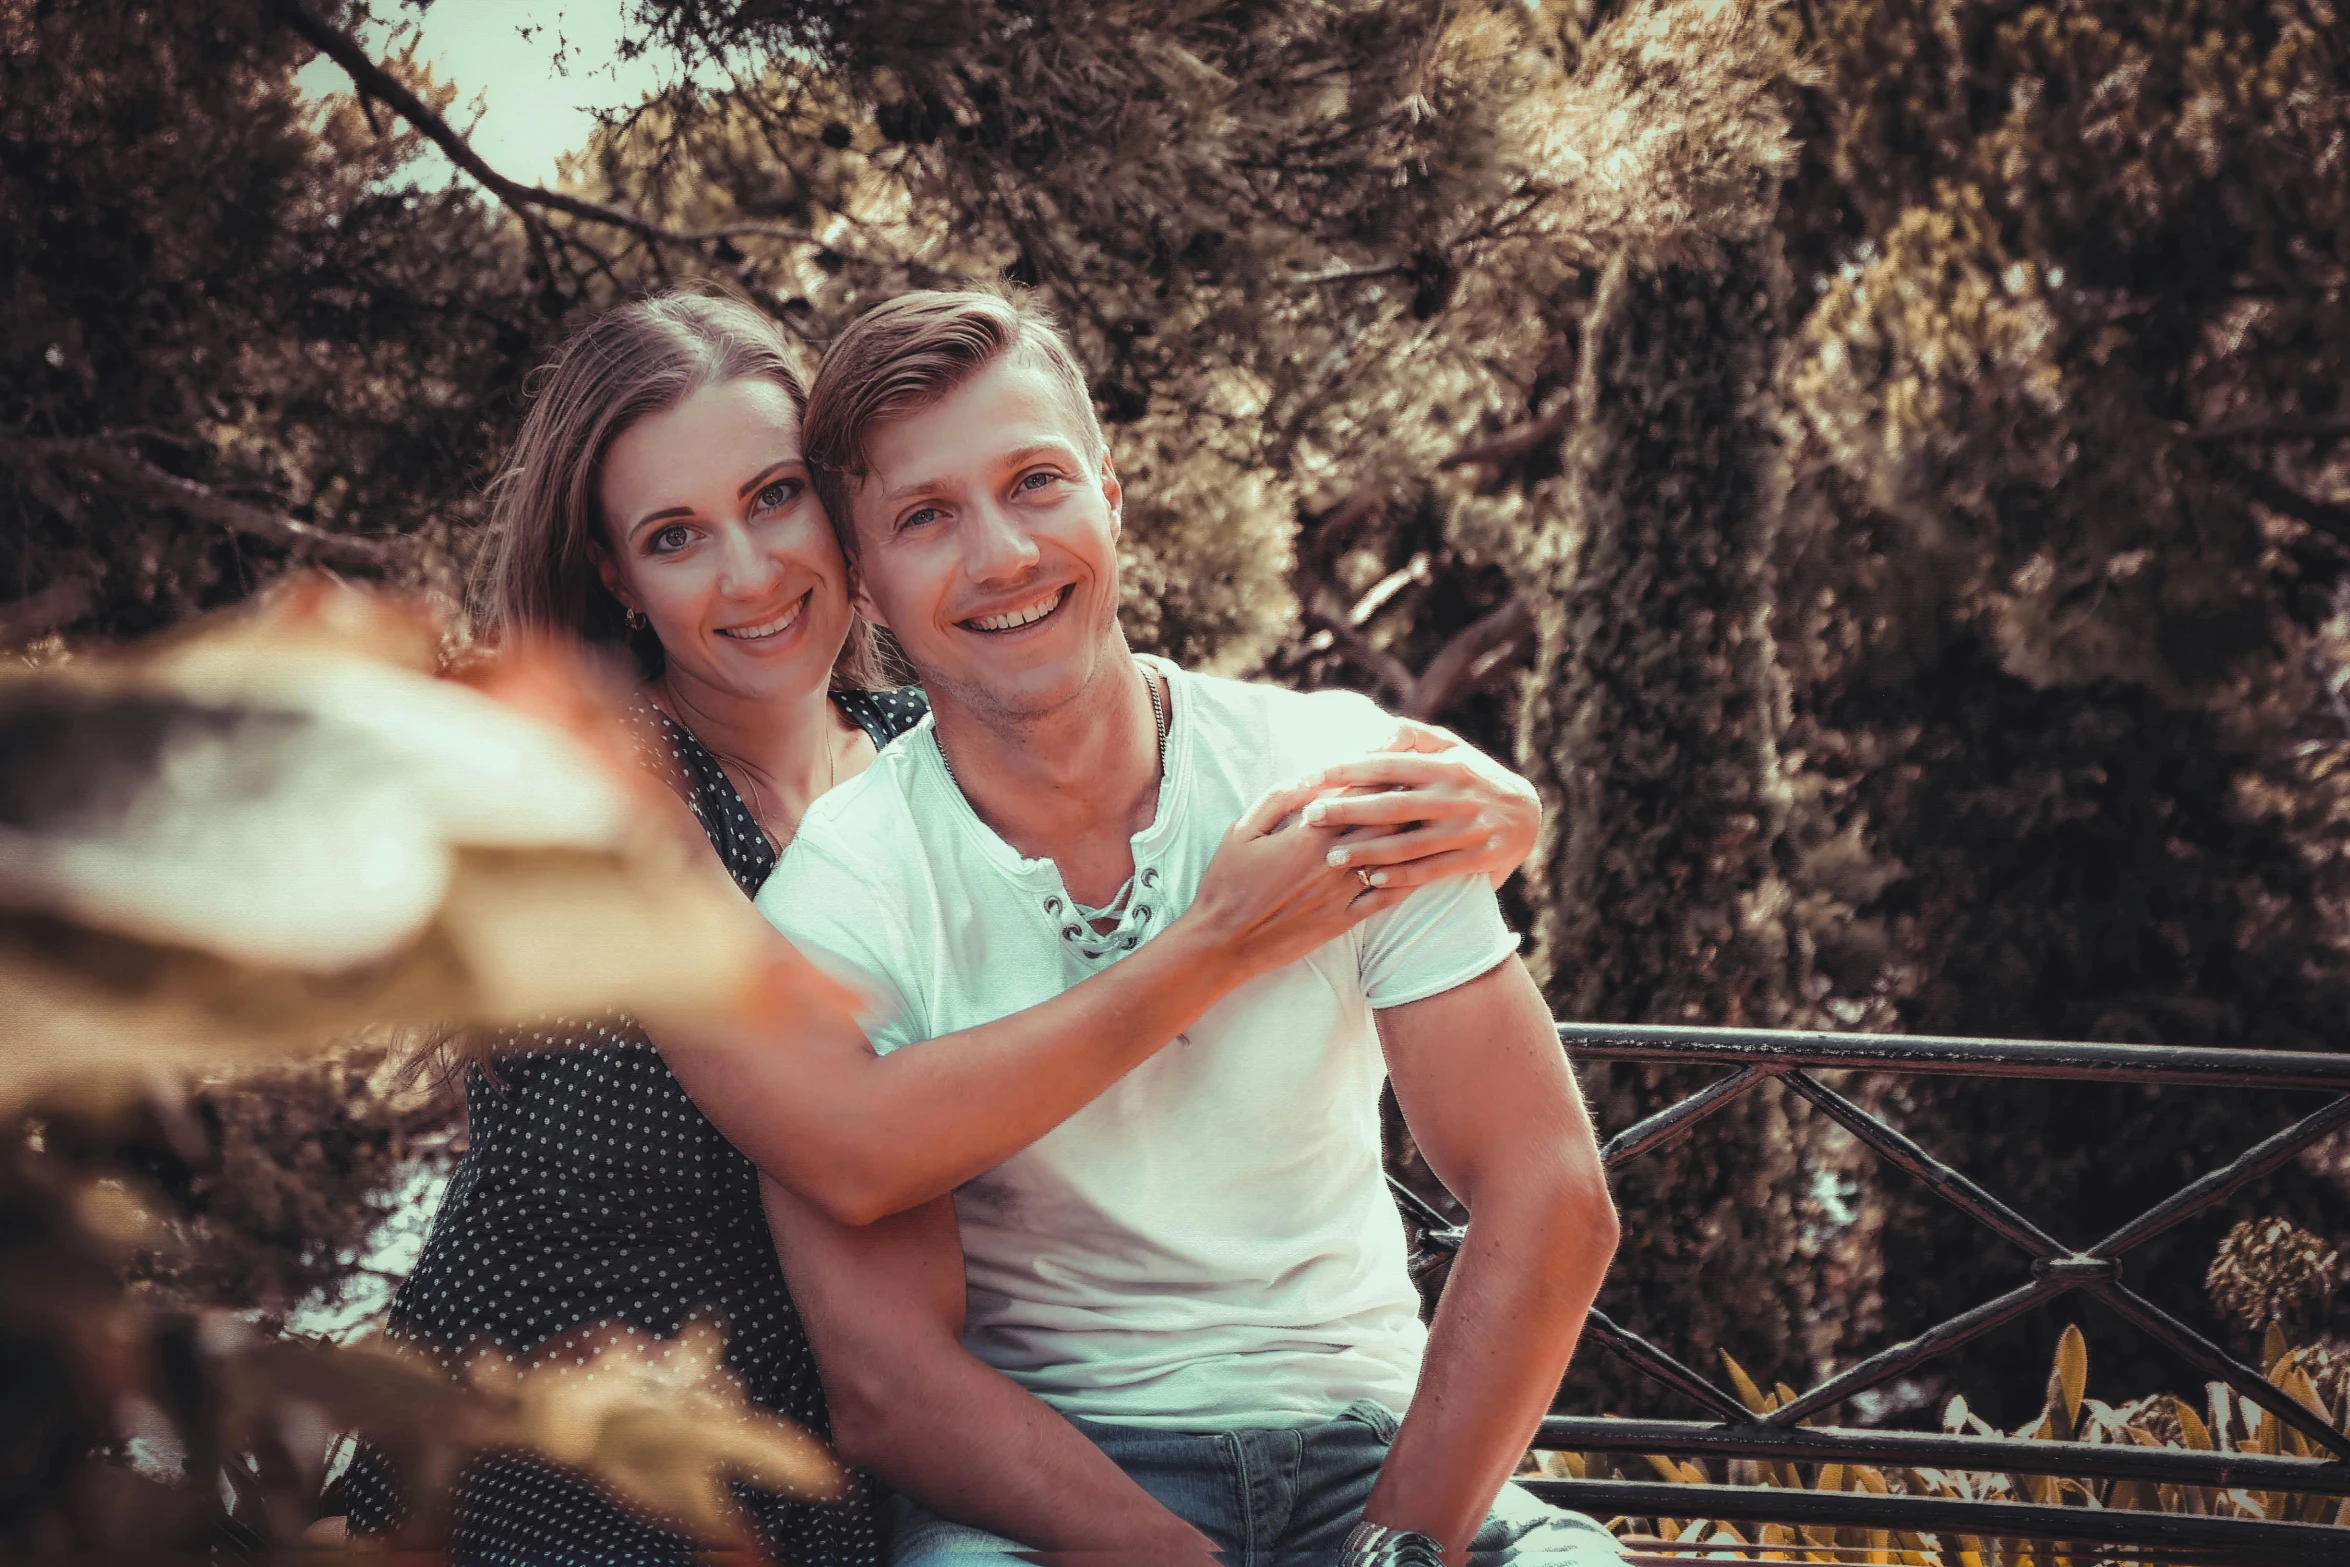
(885, 714)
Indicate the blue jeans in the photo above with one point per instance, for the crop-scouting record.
(1285, 1496)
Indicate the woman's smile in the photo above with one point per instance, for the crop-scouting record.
(774, 627)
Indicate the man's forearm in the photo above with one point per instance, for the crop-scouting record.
(1512, 1310)
(976, 1447)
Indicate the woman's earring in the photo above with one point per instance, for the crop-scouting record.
(636, 620)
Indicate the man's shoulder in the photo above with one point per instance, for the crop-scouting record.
(863, 826)
(1290, 730)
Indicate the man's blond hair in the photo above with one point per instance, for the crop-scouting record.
(901, 357)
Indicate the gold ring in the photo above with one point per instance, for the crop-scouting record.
(1364, 877)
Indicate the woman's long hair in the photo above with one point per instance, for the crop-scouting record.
(547, 517)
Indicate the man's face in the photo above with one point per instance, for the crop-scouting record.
(988, 543)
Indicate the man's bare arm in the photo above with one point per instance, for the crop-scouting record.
(1492, 1105)
(883, 1305)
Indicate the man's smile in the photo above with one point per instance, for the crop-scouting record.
(1025, 615)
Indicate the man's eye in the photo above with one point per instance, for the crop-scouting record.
(920, 515)
(1038, 480)
(775, 496)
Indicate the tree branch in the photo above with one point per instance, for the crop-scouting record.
(526, 201)
(129, 473)
(2326, 516)
(1347, 274)
(1392, 675)
(1451, 671)
(373, 81)
(2286, 427)
(1514, 442)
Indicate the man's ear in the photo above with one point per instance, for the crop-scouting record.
(1114, 493)
(861, 601)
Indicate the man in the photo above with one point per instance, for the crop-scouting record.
(1182, 1320)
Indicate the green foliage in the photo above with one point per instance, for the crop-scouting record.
(239, 305)
(1911, 432)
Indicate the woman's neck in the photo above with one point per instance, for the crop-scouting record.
(781, 752)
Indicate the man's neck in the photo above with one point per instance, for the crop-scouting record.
(1071, 786)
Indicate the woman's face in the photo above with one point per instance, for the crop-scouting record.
(714, 534)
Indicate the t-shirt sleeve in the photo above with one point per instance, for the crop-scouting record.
(1443, 935)
(829, 910)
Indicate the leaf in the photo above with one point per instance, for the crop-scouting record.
(1748, 1393)
(2275, 1350)
(513, 870)
(2191, 1428)
(2071, 1374)
(1954, 1413)
(2297, 1382)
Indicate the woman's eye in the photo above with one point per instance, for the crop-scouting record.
(670, 539)
(781, 493)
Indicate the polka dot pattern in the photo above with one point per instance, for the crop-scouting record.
(593, 1190)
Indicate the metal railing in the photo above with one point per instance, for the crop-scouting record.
(1760, 1056)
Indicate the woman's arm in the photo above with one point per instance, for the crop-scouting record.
(861, 1136)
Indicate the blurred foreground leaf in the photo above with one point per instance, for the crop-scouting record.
(283, 827)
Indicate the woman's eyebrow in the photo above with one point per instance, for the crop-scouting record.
(763, 476)
(663, 515)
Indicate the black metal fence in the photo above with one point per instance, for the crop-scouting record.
(1757, 1057)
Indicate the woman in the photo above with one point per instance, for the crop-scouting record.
(657, 501)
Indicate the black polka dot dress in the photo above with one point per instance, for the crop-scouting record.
(592, 1190)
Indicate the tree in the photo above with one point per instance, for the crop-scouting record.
(1893, 502)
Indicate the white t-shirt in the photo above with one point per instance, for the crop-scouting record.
(1210, 1244)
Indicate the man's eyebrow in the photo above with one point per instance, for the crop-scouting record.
(896, 493)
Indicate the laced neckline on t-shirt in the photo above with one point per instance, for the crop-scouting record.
(1125, 915)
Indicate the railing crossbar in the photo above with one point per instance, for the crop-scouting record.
(1662, 1044)
(2260, 1159)
(1653, 1362)
(2240, 1540)
(2212, 1360)
(1939, 1339)
(1925, 1449)
(1946, 1183)
(1677, 1119)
